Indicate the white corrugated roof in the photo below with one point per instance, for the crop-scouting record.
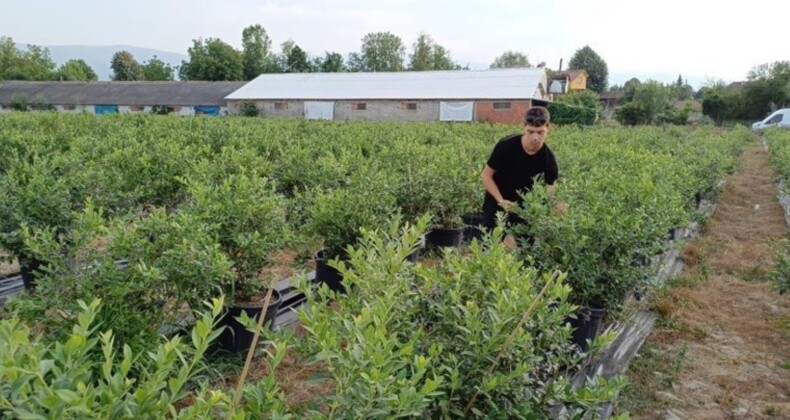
(461, 84)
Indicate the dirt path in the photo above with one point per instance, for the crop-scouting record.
(722, 347)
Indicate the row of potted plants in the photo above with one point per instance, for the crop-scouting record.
(266, 185)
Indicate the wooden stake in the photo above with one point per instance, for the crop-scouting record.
(250, 352)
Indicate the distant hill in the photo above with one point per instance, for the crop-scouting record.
(99, 57)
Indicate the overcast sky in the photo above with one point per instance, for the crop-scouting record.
(659, 39)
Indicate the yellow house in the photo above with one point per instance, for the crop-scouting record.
(570, 80)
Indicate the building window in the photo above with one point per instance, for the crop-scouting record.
(136, 108)
(280, 106)
(69, 107)
(359, 106)
(502, 105)
(409, 106)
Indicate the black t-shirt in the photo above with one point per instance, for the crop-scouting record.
(515, 170)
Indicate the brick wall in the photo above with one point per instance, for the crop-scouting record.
(497, 112)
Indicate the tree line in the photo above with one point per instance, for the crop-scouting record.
(213, 59)
(766, 89)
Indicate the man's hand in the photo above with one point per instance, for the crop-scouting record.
(506, 204)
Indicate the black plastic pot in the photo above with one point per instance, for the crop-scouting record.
(414, 256)
(30, 269)
(473, 226)
(697, 199)
(441, 237)
(324, 273)
(235, 338)
(585, 326)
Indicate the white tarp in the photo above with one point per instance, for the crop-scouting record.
(319, 110)
(456, 111)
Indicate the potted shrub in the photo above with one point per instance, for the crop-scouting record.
(336, 217)
(248, 219)
(34, 194)
(441, 183)
(173, 264)
(443, 351)
(599, 241)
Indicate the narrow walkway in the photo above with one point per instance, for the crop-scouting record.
(722, 347)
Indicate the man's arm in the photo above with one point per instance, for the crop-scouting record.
(488, 182)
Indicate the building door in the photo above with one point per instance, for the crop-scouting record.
(105, 109)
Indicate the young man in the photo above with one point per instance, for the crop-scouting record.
(513, 164)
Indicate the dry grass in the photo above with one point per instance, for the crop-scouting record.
(722, 317)
(295, 377)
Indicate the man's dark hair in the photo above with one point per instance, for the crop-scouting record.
(537, 116)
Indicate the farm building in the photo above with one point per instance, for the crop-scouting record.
(490, 95)
(182, 98)
(568, 81)
(611, 98)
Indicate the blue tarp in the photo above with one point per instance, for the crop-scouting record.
(105, 109)
(206, 110)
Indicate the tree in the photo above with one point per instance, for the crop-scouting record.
(650, 104)
(8, 55)
(767, 90)
(428, 55)
(257, 53)
(212, 60)
(681, 90)
(596, 68)
(125, 67)
(511, 59)
(331, 63)
(34, 63)
(776, 70)
(762, 96)
(75, 71)
(380, 51)
(296, 60)
(37, 63)
(156, 69)
(629, 88)
(714, 104)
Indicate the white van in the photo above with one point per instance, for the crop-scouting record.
(780, 118)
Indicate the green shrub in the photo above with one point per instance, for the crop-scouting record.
(632, 113)
(247, 217)
(419, 341)
(567, 114)
(249, 109)
(780, 275)
(65, 380)
(173, 259)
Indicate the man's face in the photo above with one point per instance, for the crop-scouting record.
(535, 136)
